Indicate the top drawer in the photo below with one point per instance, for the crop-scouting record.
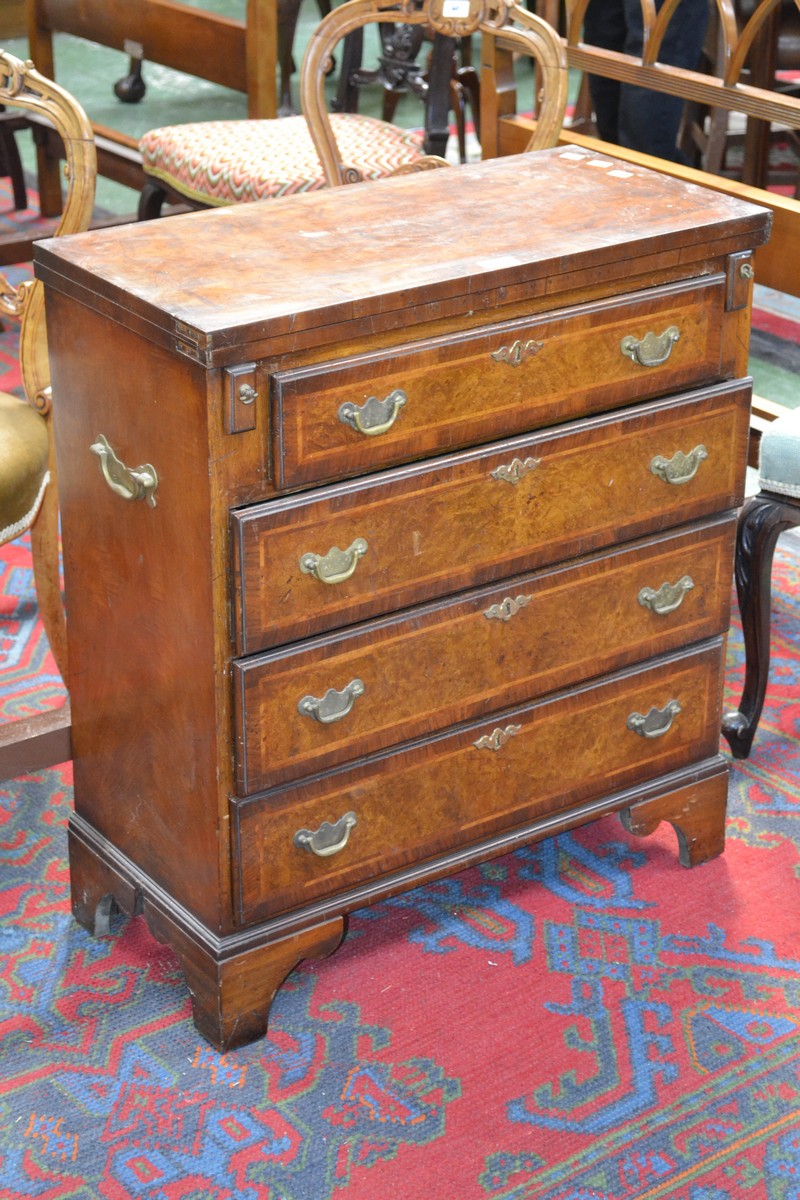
(368, 411)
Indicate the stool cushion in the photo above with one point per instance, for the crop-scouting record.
(229, 162)
(779, 456)
(23, 465)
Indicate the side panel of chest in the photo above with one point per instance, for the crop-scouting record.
(145, 607)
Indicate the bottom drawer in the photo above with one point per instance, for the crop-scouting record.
(300, 843)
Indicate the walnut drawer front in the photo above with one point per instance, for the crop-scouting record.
(343, 828)
(336, 419)
(341, 697)
(307, 563)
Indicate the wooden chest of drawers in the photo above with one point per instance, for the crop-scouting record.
(398, 528)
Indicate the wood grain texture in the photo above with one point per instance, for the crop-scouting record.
(29, 744)
(141, 604)
(697, 814)
(450, 524)
(460, 390)
(445, 663)
(315, 260)
(775, 259)
(196, 631)
(446, 791)
(175, 35)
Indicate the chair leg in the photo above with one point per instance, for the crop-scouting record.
(761, 521)
(47, 575)
(458, 104)
(11, 165)
(467, 79)
(437, 107)
(151, 201)
(288, 13)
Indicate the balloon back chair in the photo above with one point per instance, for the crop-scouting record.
(226, 162)
(28, 492)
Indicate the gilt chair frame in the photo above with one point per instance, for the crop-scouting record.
(39, 741)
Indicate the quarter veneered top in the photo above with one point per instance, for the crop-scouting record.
(252, 271)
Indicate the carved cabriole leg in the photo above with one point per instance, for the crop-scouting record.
(696, 812)
(231, 996)
(761, 521)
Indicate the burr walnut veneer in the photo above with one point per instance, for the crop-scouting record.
(398, 527)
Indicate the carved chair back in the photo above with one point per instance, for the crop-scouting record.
(21, 86)
(514, 27)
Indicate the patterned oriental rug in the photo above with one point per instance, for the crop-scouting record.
(581, 1020)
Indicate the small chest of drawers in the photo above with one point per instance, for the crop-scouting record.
(398, 529)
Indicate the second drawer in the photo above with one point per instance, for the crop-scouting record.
(340, 697)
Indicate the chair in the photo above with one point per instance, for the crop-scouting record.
(227, 162)
(28, 496)
(771, 33)
(776, 508)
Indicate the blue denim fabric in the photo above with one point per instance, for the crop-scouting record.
(633, 116)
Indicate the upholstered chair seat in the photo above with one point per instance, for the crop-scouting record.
(229, 162)
(24, 449)
(28, 488)
(779, 461)
(773, 510)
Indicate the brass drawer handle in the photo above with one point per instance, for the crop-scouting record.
(335, 566)
(507, 608)
(328, 839)
(333, 705)
(653, 349)
(668, 597)
(497, 738)
(517, 352)
(517, 469)
(374, 416)
(681, 467)
(656, 723)
(132, 483)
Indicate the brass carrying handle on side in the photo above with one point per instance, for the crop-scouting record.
(131, 483)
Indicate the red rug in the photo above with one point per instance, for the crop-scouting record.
(581, 1019)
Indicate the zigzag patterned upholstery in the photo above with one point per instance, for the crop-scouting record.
(231, 162)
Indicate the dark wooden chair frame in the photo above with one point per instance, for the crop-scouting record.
(761, 521)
